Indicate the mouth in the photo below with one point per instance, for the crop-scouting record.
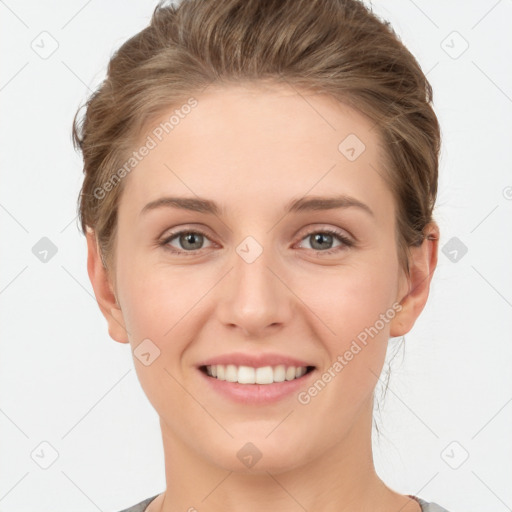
(255, 375)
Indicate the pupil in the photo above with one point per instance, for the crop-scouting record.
(321, 236)
(189, 236)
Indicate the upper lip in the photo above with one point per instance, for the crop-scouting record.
(256, 361)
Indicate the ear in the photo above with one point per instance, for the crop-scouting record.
(104, 291)
(413, 291)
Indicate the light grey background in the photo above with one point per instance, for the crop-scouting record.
(67, 389)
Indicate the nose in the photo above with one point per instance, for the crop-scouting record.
(254, 298)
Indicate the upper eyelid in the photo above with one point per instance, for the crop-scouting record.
(168, 235)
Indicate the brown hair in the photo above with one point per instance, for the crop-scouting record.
(338, 47)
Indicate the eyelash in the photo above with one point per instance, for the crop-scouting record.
(347, 242)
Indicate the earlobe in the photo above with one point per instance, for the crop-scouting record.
(103, 290)
(422, 263)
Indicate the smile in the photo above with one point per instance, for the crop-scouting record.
(259, 375)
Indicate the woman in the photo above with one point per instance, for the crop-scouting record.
(229, 142)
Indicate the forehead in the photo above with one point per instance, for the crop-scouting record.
(250, 146)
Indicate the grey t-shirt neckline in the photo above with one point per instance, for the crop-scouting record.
(425, 506)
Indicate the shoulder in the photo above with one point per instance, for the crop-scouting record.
(430, 507)
(140, 507)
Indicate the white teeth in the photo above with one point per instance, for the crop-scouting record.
(280, 373)
(250, 375)
(290, 373)
(264, 375)
(231, 373)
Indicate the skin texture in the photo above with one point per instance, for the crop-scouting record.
(252, 149)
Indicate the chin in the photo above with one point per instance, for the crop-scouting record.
(257, 455)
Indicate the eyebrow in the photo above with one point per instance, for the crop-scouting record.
(307, 203)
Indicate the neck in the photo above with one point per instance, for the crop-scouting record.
(342, 479)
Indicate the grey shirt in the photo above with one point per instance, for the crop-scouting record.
(425, 506)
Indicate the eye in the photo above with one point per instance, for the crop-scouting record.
(322, 240)
(190, 241)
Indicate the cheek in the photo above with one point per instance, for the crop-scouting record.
(152, 304)
(356, 305)
(349, 299)
(161, 310)
(166, 305)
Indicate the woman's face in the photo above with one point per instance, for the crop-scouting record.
(260, 278)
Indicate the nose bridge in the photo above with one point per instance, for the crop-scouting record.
(253, 298)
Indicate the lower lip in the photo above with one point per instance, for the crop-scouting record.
(257, 393)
